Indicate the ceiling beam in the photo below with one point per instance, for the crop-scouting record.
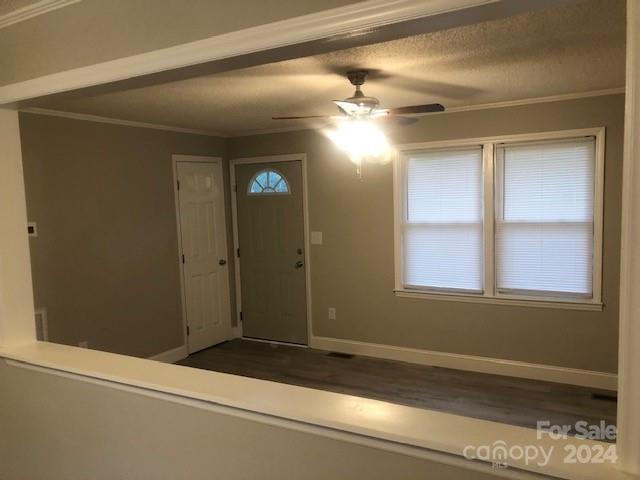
(366, 22)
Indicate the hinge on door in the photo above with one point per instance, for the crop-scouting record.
(238, 252)
(241, 316)
(178, 182)
(183, 258)
(235, 188)
(188, 331)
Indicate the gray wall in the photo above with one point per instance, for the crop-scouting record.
(56, 428)
(354, 270)
(105, 262)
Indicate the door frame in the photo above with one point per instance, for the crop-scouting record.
(175, 159)
(294, 157)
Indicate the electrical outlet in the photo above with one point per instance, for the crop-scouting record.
(332, 313)
(84, 344)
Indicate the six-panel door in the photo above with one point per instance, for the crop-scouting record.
(205, 268)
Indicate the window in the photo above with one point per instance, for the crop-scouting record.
(517, 218)
(268, 182)
(443, 223)
(544, 218)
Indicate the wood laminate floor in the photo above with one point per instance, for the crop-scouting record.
(514, 401)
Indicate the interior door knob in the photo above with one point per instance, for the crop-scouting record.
(299, 264)
(222, 261)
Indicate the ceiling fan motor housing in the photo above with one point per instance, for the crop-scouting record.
(357, 79)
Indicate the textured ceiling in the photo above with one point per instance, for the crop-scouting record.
(562, 50)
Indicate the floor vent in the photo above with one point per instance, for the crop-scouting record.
(609, 397)
(340, 355)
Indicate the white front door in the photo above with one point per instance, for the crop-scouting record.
(204, 253)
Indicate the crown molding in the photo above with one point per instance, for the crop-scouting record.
(117, 121)
(463, 108)
(528, 101)
(33, 10)
(267, 131)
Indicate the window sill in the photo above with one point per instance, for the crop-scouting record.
(514, 302)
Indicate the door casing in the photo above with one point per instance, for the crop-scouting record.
(295, 157)
(175, 159)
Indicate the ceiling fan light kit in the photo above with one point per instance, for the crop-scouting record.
(361, 140)
(356, 132)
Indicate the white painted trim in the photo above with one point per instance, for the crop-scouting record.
(399, 214)
(342, 435)
(175, 159)
(17, 315)
(488, 224)
(464, 108)
(236, 246)
(171, 356)
(236, 332)
(629, 329)
(495, 366)
(117, 121)
(274, 342)
(359, 17)
(210, 133)
(302, 158)
(598, 215)
(489, 295)
(544, 302)
(44, 322)
(520, 137)
(33, 10)
(531, 101)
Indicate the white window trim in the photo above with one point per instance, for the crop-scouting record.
(489, 294)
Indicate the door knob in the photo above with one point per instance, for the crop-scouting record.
(222, 261)
(299, 264)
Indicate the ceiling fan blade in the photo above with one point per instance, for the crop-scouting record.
(398, 120)
(428, 108)
(303, 117)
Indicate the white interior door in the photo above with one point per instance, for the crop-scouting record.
(204, 253)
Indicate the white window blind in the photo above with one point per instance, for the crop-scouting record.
(442, 228)
(544, 218)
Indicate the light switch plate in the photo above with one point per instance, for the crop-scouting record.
(316, 238)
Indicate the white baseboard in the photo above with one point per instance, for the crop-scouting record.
(171, 356)
(510, 368)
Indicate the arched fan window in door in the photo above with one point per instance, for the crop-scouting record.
(268, 182)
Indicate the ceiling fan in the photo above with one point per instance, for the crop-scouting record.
(361, 107)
